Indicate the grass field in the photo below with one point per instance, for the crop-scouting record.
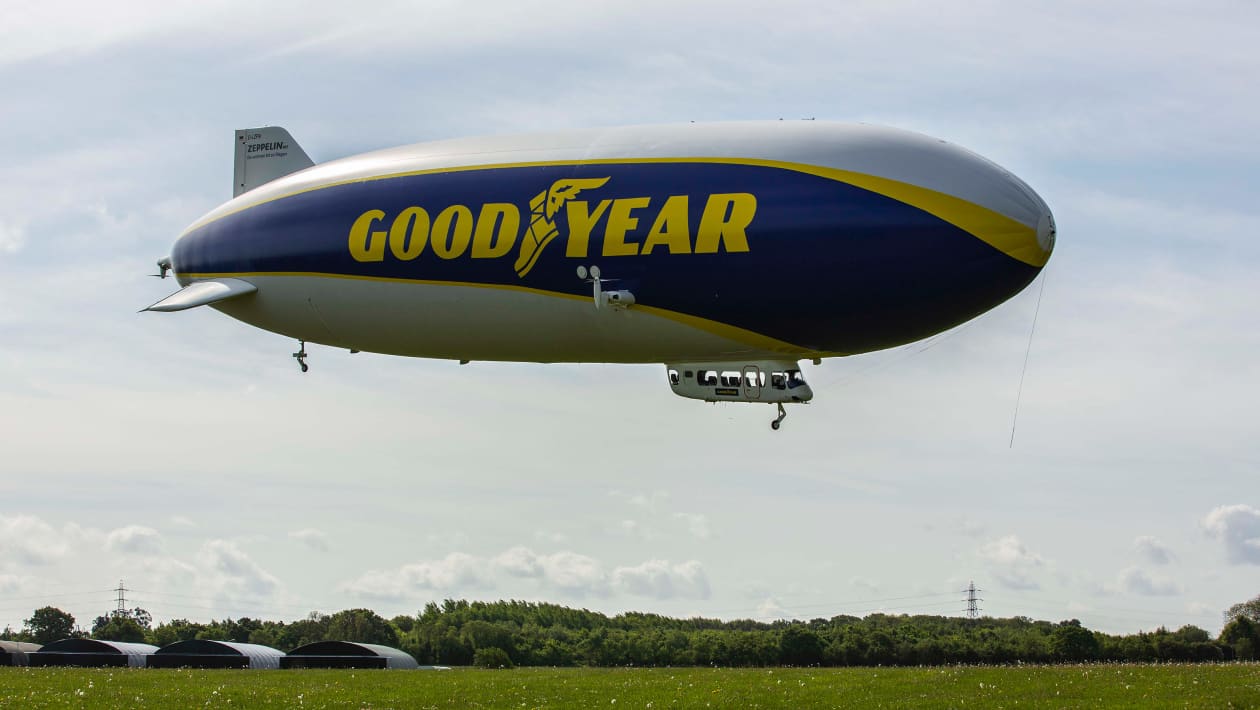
(1119, 686)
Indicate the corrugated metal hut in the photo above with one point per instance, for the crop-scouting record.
(347, 654)
(200, 653)
(13, 653)
(91, 652)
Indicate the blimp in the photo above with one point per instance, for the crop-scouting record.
(729, 252)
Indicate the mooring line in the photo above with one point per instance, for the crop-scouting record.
(1020, 392)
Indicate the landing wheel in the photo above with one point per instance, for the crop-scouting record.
(775, 423)
(300, 355)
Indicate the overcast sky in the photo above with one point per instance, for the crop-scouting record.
(186, 455)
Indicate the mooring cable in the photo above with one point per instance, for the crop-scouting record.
(1020, 392)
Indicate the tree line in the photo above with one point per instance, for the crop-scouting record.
(508, 633)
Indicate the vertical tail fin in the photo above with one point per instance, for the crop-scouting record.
(264, 154)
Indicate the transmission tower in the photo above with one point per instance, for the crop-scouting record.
(122, 599)
(973, 606)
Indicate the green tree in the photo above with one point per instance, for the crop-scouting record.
(492, 657)
(1249, 609)
(299, 633)
(799, 646)
(1241, 634)
(1192, 634)
(10, 635)
(49, 624)
(118, 627)
(361, 626)
(483, 634)
(263, 637)
(1072, 642)
(174, 630)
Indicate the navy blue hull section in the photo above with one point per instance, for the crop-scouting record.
(828, 266)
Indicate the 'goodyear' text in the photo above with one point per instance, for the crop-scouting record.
(630, 226)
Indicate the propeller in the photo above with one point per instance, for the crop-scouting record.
(164, 267)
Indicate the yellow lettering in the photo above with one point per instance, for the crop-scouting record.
(365, 246)
(508, 220)
(619, 224)
(670, 228)
(452, 231)
(725, 218)
(581, 223)
(409, 233)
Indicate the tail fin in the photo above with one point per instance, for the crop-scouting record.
(264, 154)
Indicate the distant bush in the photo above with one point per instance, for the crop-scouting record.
(492, 657)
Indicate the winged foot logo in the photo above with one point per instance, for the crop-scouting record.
(542, 212)
(631, 226)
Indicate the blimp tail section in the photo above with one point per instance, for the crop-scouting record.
(264, 154)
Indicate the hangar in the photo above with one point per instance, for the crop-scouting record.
(13, 653)
(198, 653)
(347, 654)
(91, 652)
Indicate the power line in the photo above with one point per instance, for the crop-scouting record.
(876, 609)
(59, 594)
(832, 605)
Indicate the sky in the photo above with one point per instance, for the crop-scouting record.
(185, 455)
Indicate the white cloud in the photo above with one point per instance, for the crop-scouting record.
(11, 583)
(574, 573)
(650, 501)
(1238, 527)
(1011, 563)
(866, 586)
(771, 610)
(134, 540)
(449, 539)
(1200, 608)
(12, 238)
(552, 538)
(1136, 581)
(567, 573)
(312, 538)
(697, 524)
(519, 562)
(1152, 550)
(230, 573)
(28, 540)
(455, 572)
(632, 528)
(662, 580)
(970, 528)
(169, 572)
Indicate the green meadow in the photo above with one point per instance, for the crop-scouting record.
(1235, 685)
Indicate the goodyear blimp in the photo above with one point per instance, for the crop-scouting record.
(728, 251)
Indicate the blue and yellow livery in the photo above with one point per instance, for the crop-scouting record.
(710, 247)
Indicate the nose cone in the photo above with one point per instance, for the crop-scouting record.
(1034, 240)
(1001, 210)
(1046, 232)
(960, 187)
(1020, 223)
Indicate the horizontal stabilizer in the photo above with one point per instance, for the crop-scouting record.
(201, 293)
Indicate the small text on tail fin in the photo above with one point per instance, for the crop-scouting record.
(264, 154)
